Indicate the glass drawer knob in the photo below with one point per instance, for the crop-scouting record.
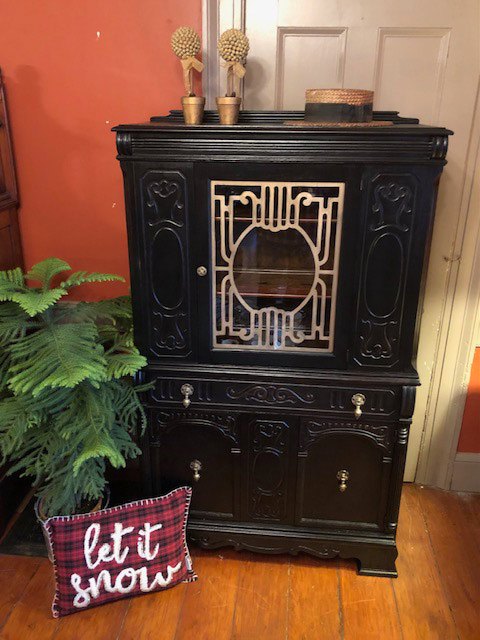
(358, 400)
(186, 390)
(202, 271)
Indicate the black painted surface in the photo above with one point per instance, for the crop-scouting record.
(272, 430)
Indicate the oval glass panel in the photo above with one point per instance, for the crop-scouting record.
(167, 269)
(383, 275)
(273, 269)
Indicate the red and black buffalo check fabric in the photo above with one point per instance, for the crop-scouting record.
(165, 562)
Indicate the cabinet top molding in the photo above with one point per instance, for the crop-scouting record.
(264, 134)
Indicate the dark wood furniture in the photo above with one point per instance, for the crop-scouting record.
(276, 272)
(12, 489)
(10, 246)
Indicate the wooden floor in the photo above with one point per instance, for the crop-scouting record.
(240, 595)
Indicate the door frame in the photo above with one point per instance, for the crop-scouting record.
(452, 352)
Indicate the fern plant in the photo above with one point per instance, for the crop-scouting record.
(68, 405)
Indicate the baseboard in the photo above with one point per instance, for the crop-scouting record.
(466, 472)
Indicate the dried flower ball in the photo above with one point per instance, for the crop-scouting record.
(185, 42)
(233, 45)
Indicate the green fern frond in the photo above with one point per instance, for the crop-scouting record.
(82, 277)
(5, 362)
(16, 418)
(113, 308)
(12, 277)
(124, 364)
(99, 445)
(46, 270)
(56, 356)
(13, 322)
(33, 301)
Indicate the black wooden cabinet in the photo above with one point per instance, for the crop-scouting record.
(276, 276)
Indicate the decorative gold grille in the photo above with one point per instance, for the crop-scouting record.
(275, 253)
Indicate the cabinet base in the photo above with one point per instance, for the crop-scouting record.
(375, 556)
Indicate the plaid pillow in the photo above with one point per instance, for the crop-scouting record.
(119, 552)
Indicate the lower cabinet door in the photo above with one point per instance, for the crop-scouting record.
(343, 476)
(200, 451)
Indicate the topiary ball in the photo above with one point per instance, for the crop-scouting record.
(185, 42)
(233, 45)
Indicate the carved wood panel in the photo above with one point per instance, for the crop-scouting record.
(164, 197)
(387, 239)
(382, 435)
(268, 465)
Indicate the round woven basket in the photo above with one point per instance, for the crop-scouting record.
(351, 107)
(355, 97)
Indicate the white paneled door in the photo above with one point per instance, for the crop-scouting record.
(422, 59)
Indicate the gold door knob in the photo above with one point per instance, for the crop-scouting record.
(202, 271)
(342, 477)
(358, 399)
(196, 467)
(186, 390)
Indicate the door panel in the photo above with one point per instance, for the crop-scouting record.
(343, 475)
(164, 196)
(200, 452)
(269, 469)
(281, 262)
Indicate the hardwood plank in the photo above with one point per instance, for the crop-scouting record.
(154, 615)
(458, 557)
(99, 622)
(31, 618)
(15, 573)
(470, 502)
(209, 603)
(422, 603)
(262, 599)
(314, 603)
(369, 609)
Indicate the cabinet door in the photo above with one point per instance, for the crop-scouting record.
(343, 474)
(159, 201)
(277, 245)
(201, 451)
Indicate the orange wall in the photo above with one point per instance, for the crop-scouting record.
(470, 434)
(72, 71)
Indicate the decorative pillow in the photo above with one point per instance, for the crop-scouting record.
(119, 552)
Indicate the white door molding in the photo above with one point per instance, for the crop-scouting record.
(457, 335)
(217, 16)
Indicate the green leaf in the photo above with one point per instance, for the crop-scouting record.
(124, 364)
(81, 277)
(16, 418)
(12, 277)
(13, 322)
(114, 308)
(58, 355)
(34, 301)
(45, 270)
(99, 445)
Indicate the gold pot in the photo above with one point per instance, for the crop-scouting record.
(193, 107)
(228, 109)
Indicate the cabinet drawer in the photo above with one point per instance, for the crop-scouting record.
(377, 400)
(343, 474)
